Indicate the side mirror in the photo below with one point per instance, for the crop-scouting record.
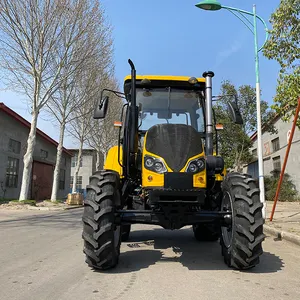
(234, 113)
(101, 108)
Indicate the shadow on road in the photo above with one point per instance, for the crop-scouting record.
(60, 219)
(148, 247)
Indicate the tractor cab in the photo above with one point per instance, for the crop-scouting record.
(169, 100)
(171, 132)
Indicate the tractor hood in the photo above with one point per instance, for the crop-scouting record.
(175, 143)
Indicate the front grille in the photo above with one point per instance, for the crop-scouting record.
(175, 143)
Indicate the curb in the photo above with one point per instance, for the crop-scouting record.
(37, 208)
(73, 207)
(283, 235)
(43, 208)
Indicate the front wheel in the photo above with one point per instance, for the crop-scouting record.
(241, 242)
(102, 237)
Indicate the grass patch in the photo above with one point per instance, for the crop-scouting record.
(29, 202)
(3, 201)
(58, 201)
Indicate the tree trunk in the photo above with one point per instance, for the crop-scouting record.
(239, 167)
(98, 160)
(55, 184)
(28, 158)
(104, 157)
(77, 166)
(236, 161)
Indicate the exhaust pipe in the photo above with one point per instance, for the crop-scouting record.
(133, 81)
(208, 112)
(133, 123)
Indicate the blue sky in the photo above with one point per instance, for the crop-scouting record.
(173, 37)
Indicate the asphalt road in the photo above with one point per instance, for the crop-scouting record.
(41, 258)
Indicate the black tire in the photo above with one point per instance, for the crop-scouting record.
(102, 238)
(206, 232)
(242, 244)
(125, 232)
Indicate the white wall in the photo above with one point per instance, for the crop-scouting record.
(12, 129)
(293, 164)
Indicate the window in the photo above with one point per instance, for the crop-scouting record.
(275, 144)
(78, 182)
(14, 146)
(44, 153)
(62, 176)
(276, 163)
(170, 106)
(74, 160)
(254, 152)
(63, 161)
(12, 172)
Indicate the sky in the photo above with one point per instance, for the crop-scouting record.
(173, 37)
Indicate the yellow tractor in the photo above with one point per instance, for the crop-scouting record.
(164, 171)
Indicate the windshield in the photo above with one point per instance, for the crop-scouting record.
(169, 106)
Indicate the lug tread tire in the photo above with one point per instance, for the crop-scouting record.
(103, 196)
(247, 226)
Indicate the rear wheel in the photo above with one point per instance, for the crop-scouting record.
(241, 242)
(206, 232)
(102, 238)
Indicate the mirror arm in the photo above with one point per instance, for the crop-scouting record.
(116, 93)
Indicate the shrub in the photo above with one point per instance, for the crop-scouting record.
(288, 191)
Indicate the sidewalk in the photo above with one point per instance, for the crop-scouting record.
(286, 221)
(42, 206)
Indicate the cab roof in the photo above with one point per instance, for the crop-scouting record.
(156, 81)
(162, 78)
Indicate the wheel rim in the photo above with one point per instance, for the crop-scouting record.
(227, 233)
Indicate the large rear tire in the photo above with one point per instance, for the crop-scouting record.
(242, 242)
(102, 238)
(206, 232)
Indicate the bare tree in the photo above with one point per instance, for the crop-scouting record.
(93, 42)
(31, 31)
(103, 135)
(79, 127)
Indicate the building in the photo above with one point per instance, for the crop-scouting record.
(274, 149)
(14, 131)
(87, 168)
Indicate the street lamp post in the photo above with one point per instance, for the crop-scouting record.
(213, 5)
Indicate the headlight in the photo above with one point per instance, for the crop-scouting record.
(154, 164)
(158, 167)
(196, 166)
(149, 162)
(193, 168)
